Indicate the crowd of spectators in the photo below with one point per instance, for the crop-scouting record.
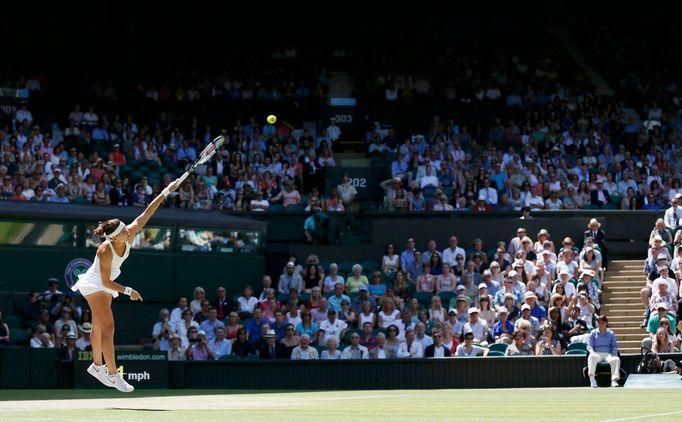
(525, 297)
(52, 320)
(661, 295)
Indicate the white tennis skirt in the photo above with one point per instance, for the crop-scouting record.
(88, 286)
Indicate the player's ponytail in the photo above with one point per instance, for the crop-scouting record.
(106, 227)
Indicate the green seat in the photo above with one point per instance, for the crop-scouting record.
(229, 357)
(577, 346)
(610, 207)
(346, 266)
(19, 336)
(616, 200)
(14, 321)
(498, 347)
(283, 298)
(577, 352)
(304, 297)
(388, 279)
(590, 207)
(370, 265)
(495, 353)
(446, 297)
(277, 208)
(251, 357)
(296, 208)
(424, 298)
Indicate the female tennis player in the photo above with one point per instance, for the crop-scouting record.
(98, 287)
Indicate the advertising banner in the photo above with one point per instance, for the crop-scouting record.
(144, 369)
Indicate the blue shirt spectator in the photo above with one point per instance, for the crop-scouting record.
(605, 343)
(497, 328)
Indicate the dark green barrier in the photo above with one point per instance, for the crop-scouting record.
(43, 368)
(519, 372)
(15, 367)
(541, 371)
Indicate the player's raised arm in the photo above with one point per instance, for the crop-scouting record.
(142, 219)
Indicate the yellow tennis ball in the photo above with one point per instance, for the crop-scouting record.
(272, 119)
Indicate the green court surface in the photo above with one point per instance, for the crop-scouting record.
(541, 404)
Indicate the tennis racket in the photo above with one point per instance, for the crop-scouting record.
(205, 155)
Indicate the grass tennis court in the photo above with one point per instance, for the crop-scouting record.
(541, 404)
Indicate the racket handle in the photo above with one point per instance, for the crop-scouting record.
(183, 177)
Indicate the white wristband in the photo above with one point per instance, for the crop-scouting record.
(128, 291)
(165, 192)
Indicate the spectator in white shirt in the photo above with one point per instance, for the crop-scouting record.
(451, 253)
(410, 348)
(303, 351)
(355, 350)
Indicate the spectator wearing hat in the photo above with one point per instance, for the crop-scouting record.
(672, 287)
(503, 329)
(60, 195)
(526, 316)
(469, 349)
(456, 326)
(271, 348)
(599, 236)
(656, 318)
(673, 215)
(410, 348)
(68, 351)
(477, 326)
(603, 347)
(355, 350)
(290, 279)
(83, 343)
(536, 310)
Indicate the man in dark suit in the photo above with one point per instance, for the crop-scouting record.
(599, 237)
(437, 350)
(69, 351)
(223, 303)
(272, 349)
(599, 196)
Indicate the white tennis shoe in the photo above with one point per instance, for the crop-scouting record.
(101, 374)
(120, 384)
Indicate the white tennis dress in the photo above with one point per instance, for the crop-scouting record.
(91, 281)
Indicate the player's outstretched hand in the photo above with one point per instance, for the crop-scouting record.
(135, 295)
(174, 185)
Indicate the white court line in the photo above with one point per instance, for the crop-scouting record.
(653, 415)
(166, 402)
